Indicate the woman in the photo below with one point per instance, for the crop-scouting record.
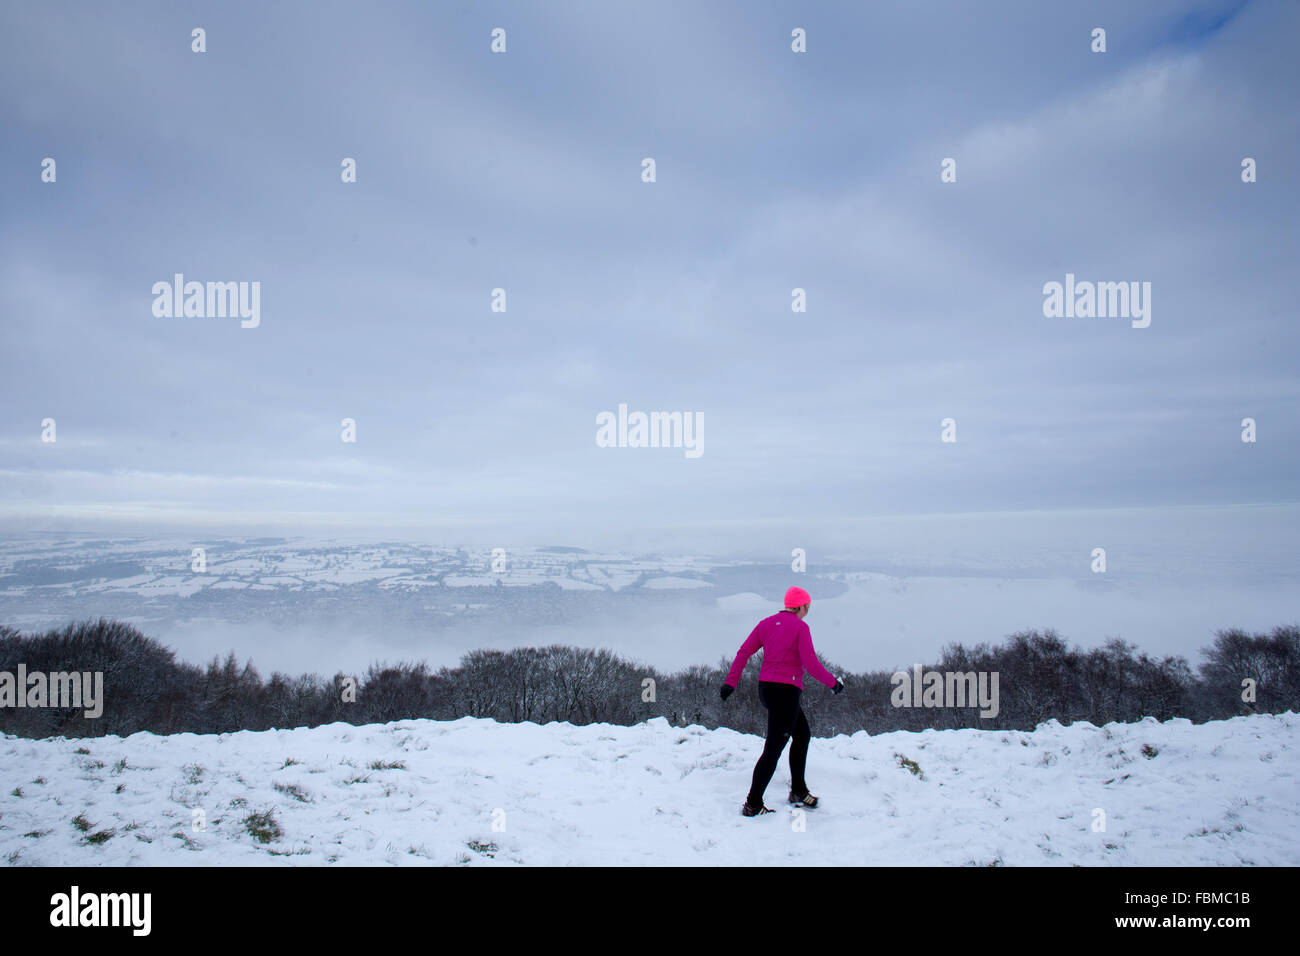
(787, 653)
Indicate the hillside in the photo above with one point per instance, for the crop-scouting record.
(420, 792)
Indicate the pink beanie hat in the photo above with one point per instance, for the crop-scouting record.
(797, 597)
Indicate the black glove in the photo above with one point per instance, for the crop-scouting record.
(839, 686)
(727, 691)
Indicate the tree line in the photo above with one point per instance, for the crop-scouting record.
(1039, 678)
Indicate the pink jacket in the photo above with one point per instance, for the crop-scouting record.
(787, 652)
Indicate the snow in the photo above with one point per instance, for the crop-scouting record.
(612, 577)
(306, 564)
(747, 601)
(407, 584)
(1216, 794)
(352, 575)
(569, 584)
(671, 582)
(132, 583)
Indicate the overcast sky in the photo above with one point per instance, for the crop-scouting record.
(523, 171)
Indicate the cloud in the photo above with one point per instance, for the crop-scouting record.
(521, 171)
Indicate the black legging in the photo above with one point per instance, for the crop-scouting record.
(785, 720)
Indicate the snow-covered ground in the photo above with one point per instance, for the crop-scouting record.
(420, 792)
